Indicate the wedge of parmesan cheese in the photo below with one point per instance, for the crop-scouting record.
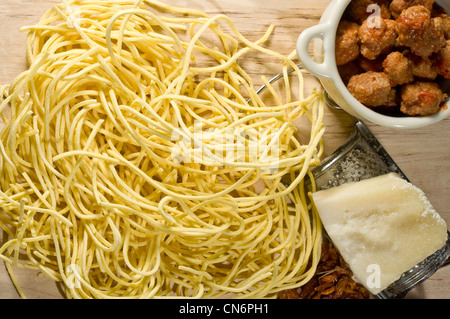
(382, 227)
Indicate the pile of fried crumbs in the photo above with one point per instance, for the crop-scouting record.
(332, 280)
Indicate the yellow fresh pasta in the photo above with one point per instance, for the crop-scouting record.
(138, 160)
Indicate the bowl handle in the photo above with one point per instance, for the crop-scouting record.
(322, 31)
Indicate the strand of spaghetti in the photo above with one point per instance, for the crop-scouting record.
(17, 205)
(137, 11)
(287, 60)
(234, 58)
(54, 82)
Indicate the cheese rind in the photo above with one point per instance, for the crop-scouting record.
(383, 223)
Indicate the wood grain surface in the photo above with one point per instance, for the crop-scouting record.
(423, 154)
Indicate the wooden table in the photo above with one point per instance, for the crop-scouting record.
(423, 154)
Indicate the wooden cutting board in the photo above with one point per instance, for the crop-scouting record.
(423, 154)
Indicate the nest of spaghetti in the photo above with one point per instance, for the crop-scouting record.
(138, 160)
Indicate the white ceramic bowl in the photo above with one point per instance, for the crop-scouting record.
(323, 65)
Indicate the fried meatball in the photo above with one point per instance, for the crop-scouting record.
(397, 6)
(372, 89)
(421, 98)
(358, 10)
(443, 61)
(442, 23)
(423, 68)
(376, 40)
(348, 70)
(347, 42)
(398, 68)
(418, 31)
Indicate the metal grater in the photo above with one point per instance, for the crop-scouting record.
(362, 157)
